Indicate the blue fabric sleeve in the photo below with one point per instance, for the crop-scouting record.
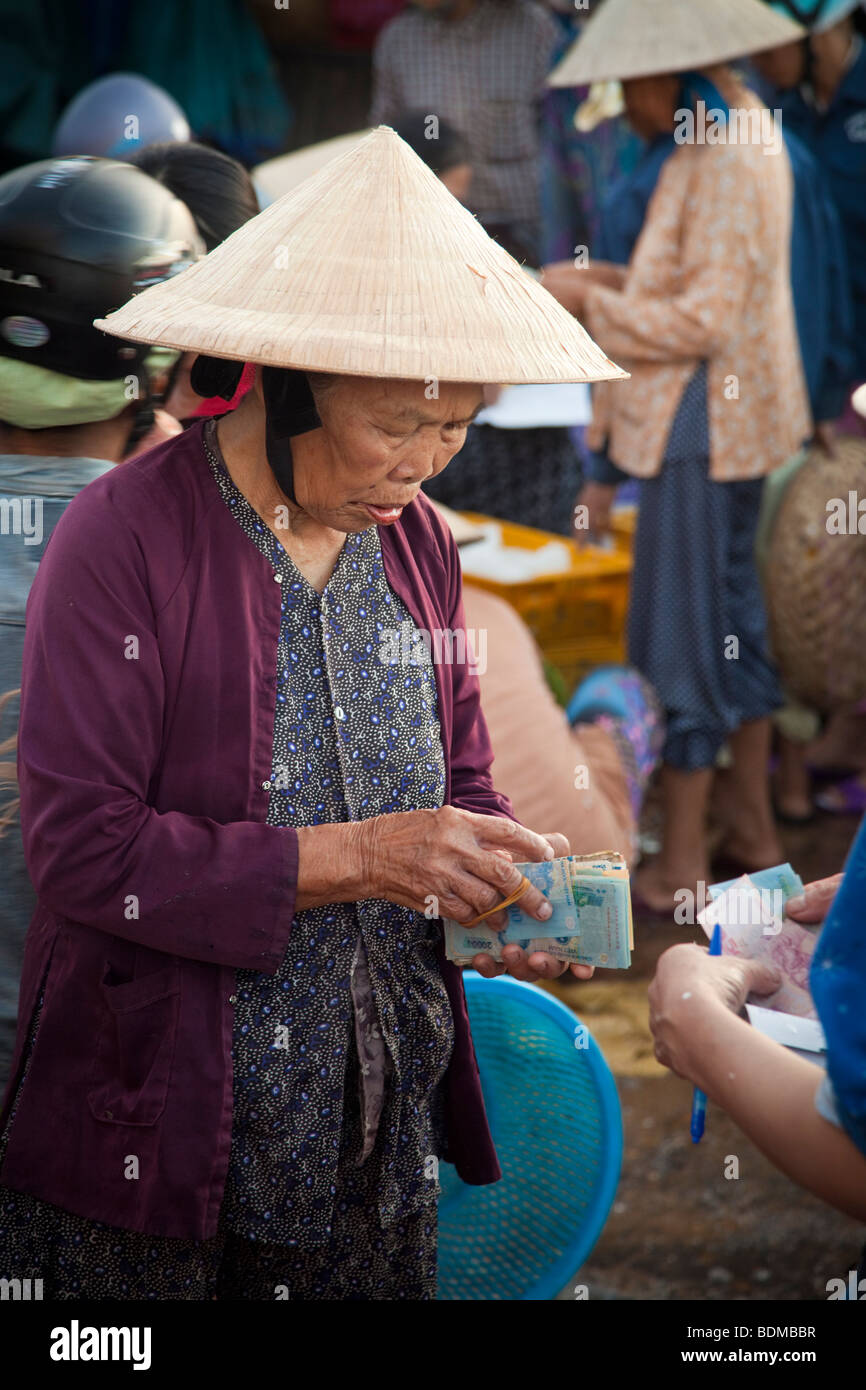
(598, 468)
(839, 365)
(838, 980)
(624, 208)
(820, 286)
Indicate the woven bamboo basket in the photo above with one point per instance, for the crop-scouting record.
(816, 580)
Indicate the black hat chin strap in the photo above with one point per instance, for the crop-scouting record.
(289, 408)
(214, 376)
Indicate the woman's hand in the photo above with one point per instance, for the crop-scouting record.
(689, 983)
(598, 500)
(568, 283)
(444, 863)
(607, 273)
(454, 863)
(450, 862)
(813, 906)
(538, 965)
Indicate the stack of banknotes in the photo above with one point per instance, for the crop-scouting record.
(591, 923)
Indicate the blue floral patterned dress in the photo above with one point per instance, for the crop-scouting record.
(359, 1000)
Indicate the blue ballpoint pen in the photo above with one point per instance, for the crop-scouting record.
(699, 1100)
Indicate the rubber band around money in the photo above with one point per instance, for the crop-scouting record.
(506, 902)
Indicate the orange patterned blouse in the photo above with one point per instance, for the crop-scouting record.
(709, 278)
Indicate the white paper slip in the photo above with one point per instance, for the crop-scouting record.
(802, 1034)
(529, 407)
(490, 558)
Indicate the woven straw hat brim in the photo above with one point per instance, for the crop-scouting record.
(640, 38)
(369, 268)
(816, 583)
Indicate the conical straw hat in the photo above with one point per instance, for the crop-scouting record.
(637, 38)
(369, 268)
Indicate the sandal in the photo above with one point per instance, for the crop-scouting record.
(847, 798)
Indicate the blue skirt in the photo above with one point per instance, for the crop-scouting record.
(697, 628)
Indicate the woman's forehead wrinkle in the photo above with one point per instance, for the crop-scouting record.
(425, 417)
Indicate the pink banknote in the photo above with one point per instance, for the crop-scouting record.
(751, 930)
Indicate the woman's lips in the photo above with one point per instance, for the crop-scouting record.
(382, 515)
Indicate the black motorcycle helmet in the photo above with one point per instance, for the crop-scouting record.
(78, 238)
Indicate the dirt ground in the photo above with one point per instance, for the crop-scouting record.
(678, 1228)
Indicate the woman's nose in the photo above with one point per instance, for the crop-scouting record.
(424, 461)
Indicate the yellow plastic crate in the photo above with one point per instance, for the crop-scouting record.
(623, 521)
(577, 616)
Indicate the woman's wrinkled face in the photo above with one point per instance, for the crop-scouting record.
(379, 441)
(783, 67)
(650, 103)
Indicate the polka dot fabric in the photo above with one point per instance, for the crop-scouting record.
(80, 1259)
(695, 587)
(355, 735)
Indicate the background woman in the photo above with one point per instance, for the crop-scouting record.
(703, 316)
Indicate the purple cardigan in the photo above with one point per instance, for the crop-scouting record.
(146, 732)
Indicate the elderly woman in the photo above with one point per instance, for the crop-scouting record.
(704, 318)
(241, 1050)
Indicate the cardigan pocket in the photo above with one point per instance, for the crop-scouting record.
(135, 1050)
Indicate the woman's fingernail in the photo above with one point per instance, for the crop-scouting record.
(549, 852)
(796, 903)
(544, 911)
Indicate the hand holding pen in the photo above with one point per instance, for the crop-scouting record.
(699, 1100)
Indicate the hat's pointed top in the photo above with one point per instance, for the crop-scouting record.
(369, 268)
(278, 176)
(639, 38)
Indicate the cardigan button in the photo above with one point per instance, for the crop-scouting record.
(278, 579)
(233, 998)
(266, 786)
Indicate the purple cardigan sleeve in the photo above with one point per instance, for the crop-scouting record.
(90, 739)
